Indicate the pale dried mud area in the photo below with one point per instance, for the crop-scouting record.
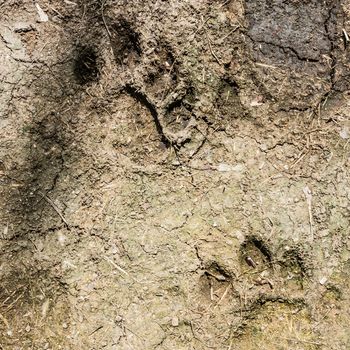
(174, 174)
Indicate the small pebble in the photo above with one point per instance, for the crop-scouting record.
(175, 321)
(28, 329)
(263, 147)
(118, 319)
(344, 133)
(323, 280)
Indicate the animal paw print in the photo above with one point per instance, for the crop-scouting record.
(261, 275)
(283, 275)
(260, 292)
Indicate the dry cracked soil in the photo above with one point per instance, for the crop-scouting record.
(174, 174)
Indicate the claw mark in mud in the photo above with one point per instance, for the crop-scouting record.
(124, 39)
(218, 272)
(86, 66)
(295, 267)
(179, 112)
(161, 113)
(166, 62)
(294, 260)
(228, 102)
(255, 253)
(140, 96)
(163, 71)
(214, 278)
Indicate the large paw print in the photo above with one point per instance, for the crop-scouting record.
(265, 286)
(263, 272)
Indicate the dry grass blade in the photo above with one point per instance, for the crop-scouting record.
(53, 205)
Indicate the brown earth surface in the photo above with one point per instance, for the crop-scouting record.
(174, 174)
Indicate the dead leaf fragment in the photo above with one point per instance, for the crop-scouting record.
(43, 17)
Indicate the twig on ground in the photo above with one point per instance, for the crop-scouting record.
(302, 341)
(53, 205)
(346, 37)
(300, 157)
(96, 330)
(211, 48)
(308, 196)
(104, 20)
(223, 296)
(118, 267)
(227, 35)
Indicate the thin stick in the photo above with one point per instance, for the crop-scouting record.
(8, 308)
(265, 65)
(96, 330)
(300, 158)
(232, 31)
(302, 341)
(223, 296)
(104, 20)
(211, 48)
(308, 196)
(53, 205)
(115, 265)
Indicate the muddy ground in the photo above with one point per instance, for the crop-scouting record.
(174, 174)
